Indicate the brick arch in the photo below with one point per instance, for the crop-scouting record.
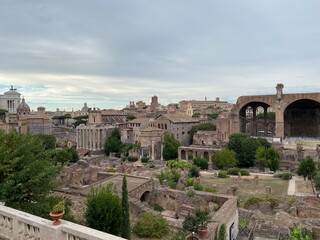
(302, 119)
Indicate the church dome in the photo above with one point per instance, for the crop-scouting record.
(23, 107)
(85, 108)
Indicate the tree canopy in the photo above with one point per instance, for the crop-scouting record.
(104, 211)
(267, 157)
(245, 148)
(224, 159)
(27, 171)
(170, 147)
(113, 143)
(307, 168)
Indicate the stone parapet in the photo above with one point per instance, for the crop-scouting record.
(15, 224)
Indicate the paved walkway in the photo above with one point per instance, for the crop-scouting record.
(292, 186)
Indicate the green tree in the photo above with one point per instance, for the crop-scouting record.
(224, 159)
(49, 141)
(317, 180)
(201, 127)
(130, 117)
(80, 120)
(267, 157)
(3, 114)
(104, 211)
(170, 147)
(260, 158)
(113, 143)
(27, 173)
(149, 225)
(307, 168)
(126, 232)
(66, 155)
(245, 148)
(273, 157)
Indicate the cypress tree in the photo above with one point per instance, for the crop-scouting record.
(126, 231)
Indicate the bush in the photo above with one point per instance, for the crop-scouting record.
(252, 201)
(132, 159)
(152, 165)
(172, 177)
(158, 208)
(233, 171)
(284, 176)
(194, 171)
(198, 187)
(189, 182)
(144, 159)
(202, 163)
(178, 164)
(222, 174)
(244, 172)
(110, 221)
(149, 225)
(209, 189)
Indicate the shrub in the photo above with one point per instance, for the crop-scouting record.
(110, 221)
(189, 182)
(222, 174)
(198, 187)
(209, 189)
(191, 193)
(286, 176)
(149, 225)
(252, 201)
(158, 208)
(144, 159)
(244, 172)
(171, 176)
(132, 159)
(202, 163)
(179, 235)
(152, 165)
(194, 171)
(178, 164)
(233, 171)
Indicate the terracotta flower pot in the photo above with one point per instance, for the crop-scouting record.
(203, 232)
(56, 217)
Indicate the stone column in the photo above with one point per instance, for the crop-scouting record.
(254, 120)
(161, 152)
(94, 142)
(99, 139)
(265, 115)
(152, 150)
(77, 137)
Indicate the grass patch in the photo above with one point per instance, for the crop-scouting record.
(247, 187)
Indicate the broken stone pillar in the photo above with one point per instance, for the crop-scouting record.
(268, 190)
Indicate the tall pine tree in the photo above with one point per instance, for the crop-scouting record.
(126, 232)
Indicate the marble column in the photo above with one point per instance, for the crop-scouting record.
(152, 150)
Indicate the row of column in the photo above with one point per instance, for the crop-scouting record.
(90, 138)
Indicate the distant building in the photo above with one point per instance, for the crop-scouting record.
(10, 100)
(178, 124)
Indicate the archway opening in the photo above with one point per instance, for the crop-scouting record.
(302, 119)
(183, 154)
(253, 118)
(145, 196)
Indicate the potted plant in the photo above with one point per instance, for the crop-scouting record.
(57, 212)
(203, 218)
(197, 222)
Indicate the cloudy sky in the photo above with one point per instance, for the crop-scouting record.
(63, 53)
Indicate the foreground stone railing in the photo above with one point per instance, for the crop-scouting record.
(19, 225)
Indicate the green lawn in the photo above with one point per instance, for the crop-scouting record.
(247, 187)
